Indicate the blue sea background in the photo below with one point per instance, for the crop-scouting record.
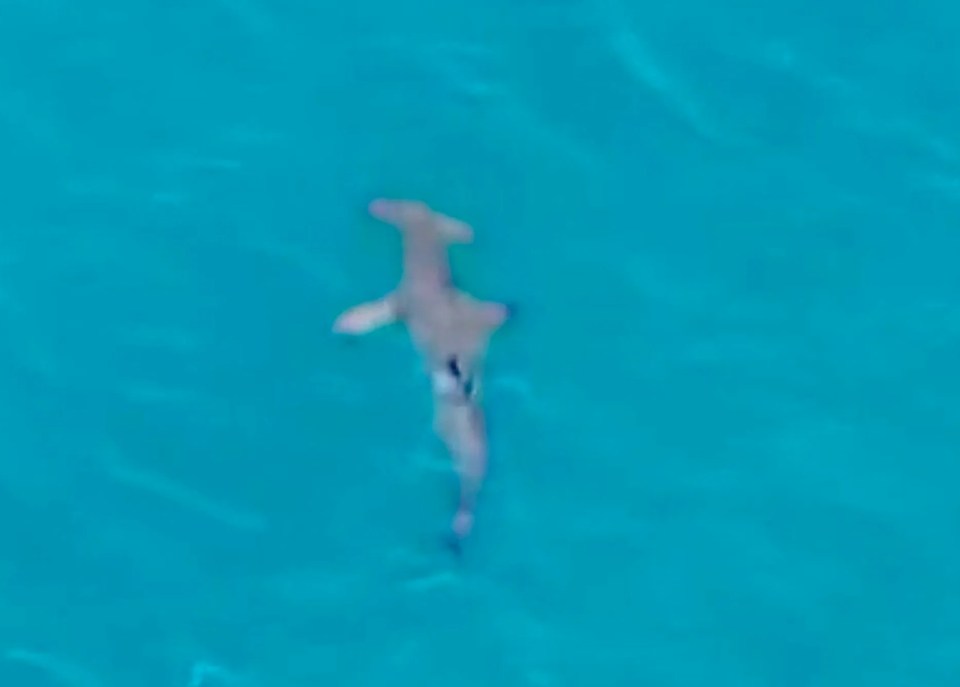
(724, 423)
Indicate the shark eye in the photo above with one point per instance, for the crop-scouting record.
(454, 367)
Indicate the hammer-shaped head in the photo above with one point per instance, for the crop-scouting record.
(415, 217)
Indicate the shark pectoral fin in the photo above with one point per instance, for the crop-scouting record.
(366, 317)
(491, 315)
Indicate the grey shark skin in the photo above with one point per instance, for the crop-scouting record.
(444, 322)
(460, 423)
(449, 328)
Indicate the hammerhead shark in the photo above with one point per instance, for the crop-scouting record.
(450, 329)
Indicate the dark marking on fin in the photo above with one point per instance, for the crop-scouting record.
(453, 544)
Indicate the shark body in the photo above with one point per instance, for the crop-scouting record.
(451, 330)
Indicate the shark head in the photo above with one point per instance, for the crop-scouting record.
(416, 218)
(401, 213)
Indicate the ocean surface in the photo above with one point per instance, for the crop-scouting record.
(724, 423)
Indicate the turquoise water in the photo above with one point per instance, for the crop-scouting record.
(724, 423)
